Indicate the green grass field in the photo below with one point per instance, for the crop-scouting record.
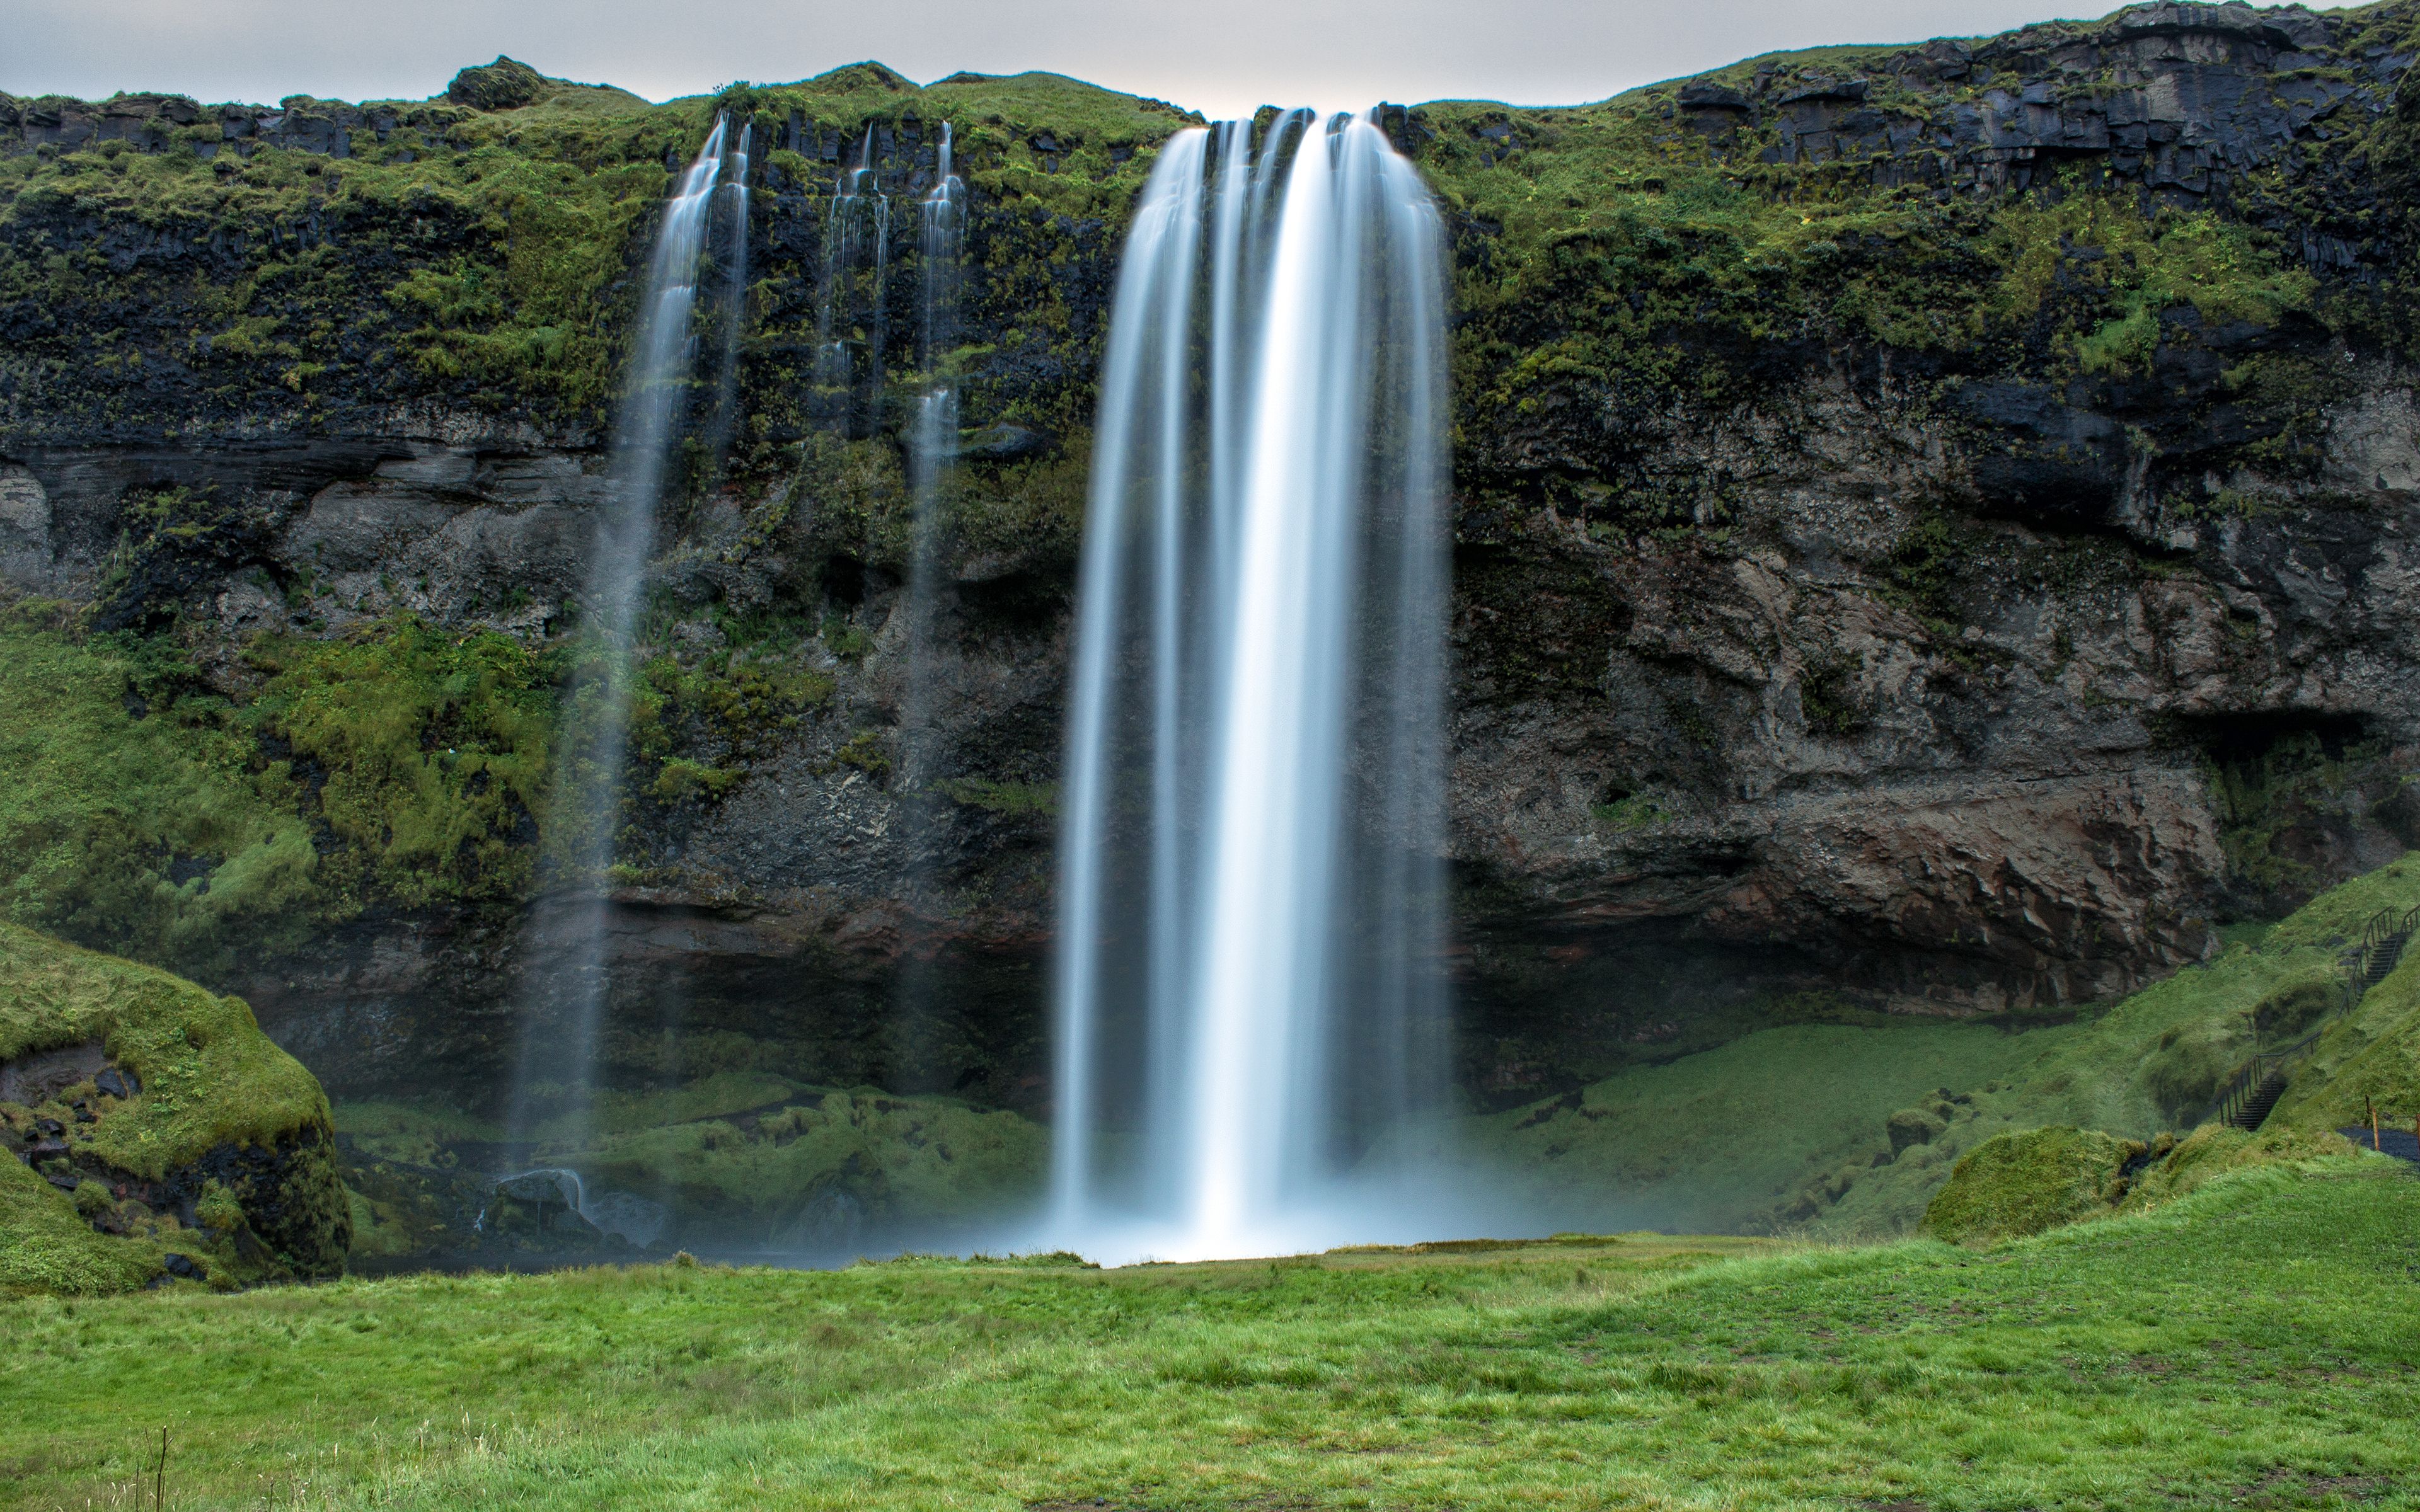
(2254, 1344)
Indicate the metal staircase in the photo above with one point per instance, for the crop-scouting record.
(2253, 1091)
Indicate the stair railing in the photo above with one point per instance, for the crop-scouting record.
(2367, 963)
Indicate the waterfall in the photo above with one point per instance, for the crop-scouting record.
(931, 437)
(735, 298)
(1250, 1004)
(857, 250)
(563, 1019)
(932, 443)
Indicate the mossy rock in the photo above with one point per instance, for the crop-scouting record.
(157, 1132)
(2216, 1149)
(503, 85)
(2022, 1183)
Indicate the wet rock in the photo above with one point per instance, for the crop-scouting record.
(625, 1215)
(1005, 442)
(828, 1223)
(183, 1267)
(39, 1078)
(1700, 94)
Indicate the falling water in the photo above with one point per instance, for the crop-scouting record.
(562, 1018)
(735, 297)
(857, 250)
(931, 445)
(1250, 1010)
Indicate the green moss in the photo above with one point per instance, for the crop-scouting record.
(1802, 1125)
(209, 1078)
(2261, 797)
(218, 1209)
(2015, 1184)
(434, 749)
(1635, 811)
(2102, 253)
(917, 1161)
(48, 1246)
(1011, 800)
(868, 751)
(1732, 1137)
(2215, 1149)
(210, 1082)
(682, 781)
(732, 704)
(2018, 1184)
(133, 820)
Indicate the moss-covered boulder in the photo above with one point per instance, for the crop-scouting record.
(156, 1132)
(504, 84)
(2024, 1184)
(2178, 1167)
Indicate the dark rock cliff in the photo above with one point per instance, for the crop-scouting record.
(1934, 524)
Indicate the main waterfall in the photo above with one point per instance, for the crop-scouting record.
(1250, 999)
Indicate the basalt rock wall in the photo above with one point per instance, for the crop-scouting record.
(1933, 524)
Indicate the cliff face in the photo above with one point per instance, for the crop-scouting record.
(1934, 522)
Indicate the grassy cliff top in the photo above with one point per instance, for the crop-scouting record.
(1623, 255)
(208, 1076)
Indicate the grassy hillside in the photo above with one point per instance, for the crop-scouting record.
(1851, 1127)
(2255, 1343)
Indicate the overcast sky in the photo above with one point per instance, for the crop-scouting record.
(1219, 58)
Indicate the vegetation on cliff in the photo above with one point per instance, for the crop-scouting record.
(138, 817)
(2152, 1360)
(1654, 296)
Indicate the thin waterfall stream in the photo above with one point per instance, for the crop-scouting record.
(932, 445)
(1251, 1001)
(562, 1008)
(931, 440)
(734, 192)
(856, 266)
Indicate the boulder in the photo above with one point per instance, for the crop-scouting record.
(503, 85)
(237, 1161)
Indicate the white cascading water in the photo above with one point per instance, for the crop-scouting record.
(932, 443)
(563, 1021)
(1250, 999)
(857, 251)
(734, 191)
